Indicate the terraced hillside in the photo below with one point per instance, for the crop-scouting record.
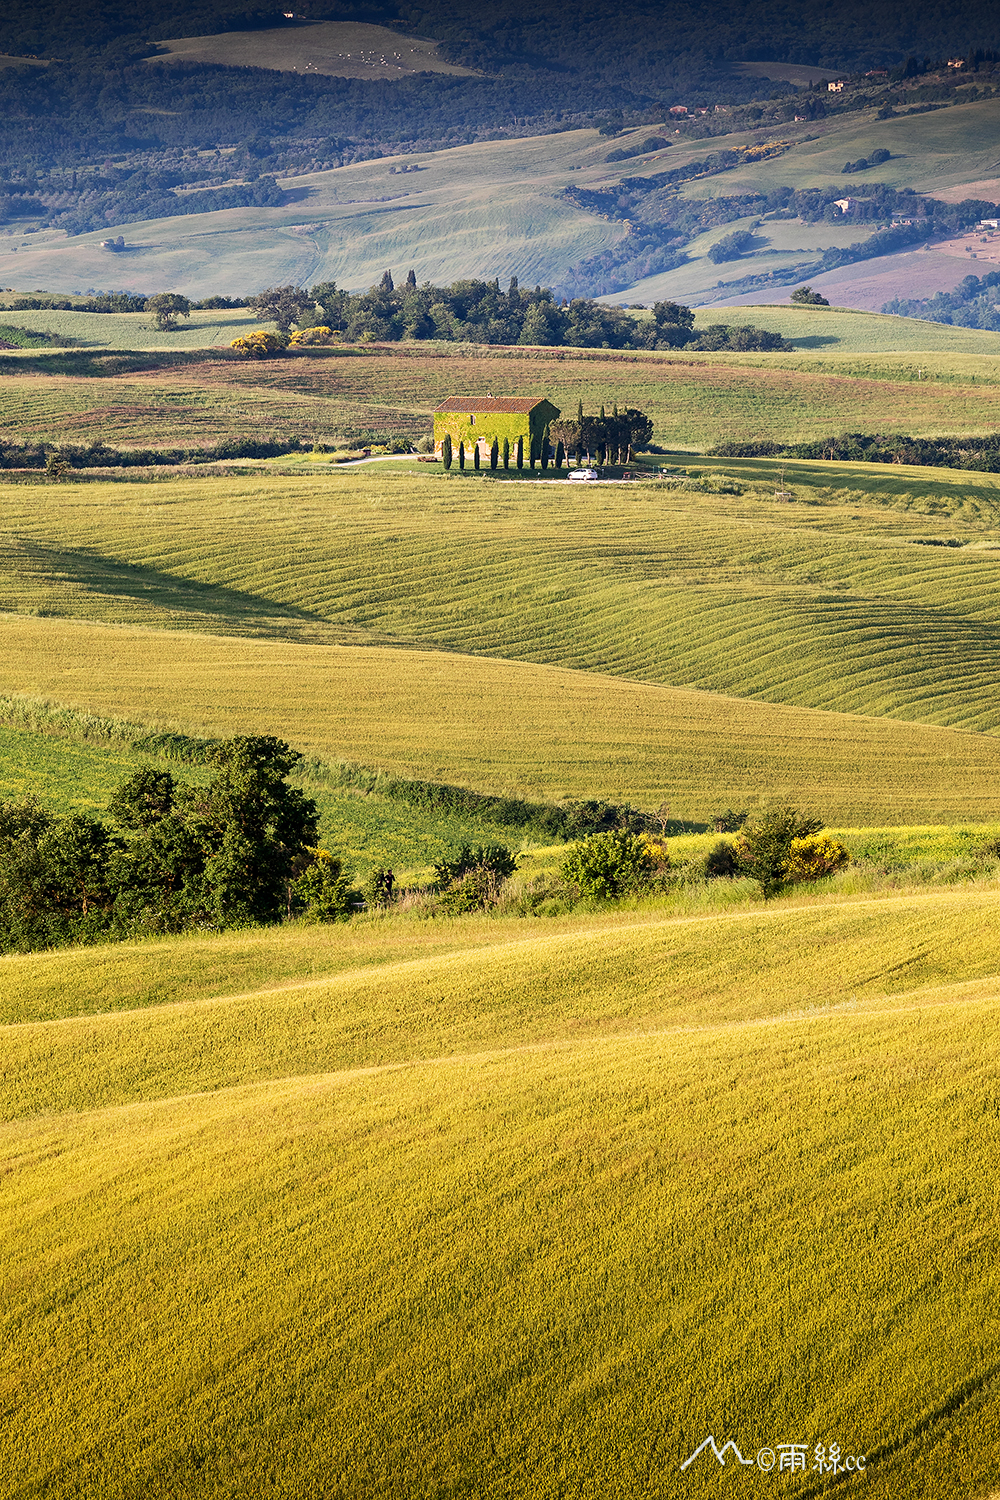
(438, 1225)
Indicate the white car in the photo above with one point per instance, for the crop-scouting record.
(583, 474)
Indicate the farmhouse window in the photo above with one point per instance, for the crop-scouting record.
(472, 419)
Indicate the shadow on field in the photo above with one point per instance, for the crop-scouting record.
(46, 580)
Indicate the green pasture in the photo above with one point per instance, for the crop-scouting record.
(835, 602)
(531, 1217)
(89, 330)
(930, 152)
(837, 331)
(364, 830)
(500, 726)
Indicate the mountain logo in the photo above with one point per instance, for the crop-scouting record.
(720, 1453)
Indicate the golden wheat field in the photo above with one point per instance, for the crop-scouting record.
(511, 1203)
(532, 1217)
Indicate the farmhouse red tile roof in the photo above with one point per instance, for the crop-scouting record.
(491, 403)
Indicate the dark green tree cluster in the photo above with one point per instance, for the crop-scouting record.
(865, 162)
(610, 437)
(975, 303)
(731, 246)
(474, 311)
(171, 857)
(479, 312)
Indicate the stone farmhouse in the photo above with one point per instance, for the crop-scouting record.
(476, 421)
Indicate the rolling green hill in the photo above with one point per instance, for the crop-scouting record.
(536, 1218)
(498, 208)
(830, 605)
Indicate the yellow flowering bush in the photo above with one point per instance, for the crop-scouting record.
(260, 344)
(812, 858)
(303, 337)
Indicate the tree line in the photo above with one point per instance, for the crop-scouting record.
(481, 312)
(979, 453)
(170, 857)
(974, 303)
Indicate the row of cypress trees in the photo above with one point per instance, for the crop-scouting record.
(503, 456)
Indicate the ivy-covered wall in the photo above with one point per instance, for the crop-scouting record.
(528, 426)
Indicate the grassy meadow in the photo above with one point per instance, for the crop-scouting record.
(921, 378)
(536, 731)
(831, 603)
(531, 1218)
(343, 49)
(495, 1205)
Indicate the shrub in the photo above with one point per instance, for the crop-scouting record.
(721, 862)
(425, 444)
(497, 859)
(473, 892)
(323, 892)
(56, 467)
(813, 857)
(260, 344)
(608, 865)
(472, 879)
(379, 889)
(728, 821)
(806, 295)
(305, 336)
(764, 845)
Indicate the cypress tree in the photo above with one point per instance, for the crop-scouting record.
(475, 457)
(560, 454)
(520, 453)
(386, 284)
(446, 450)
(461, 455)
(411, 278)
(506, 453)
(495, 455)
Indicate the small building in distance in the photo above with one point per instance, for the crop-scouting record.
(475, 421)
